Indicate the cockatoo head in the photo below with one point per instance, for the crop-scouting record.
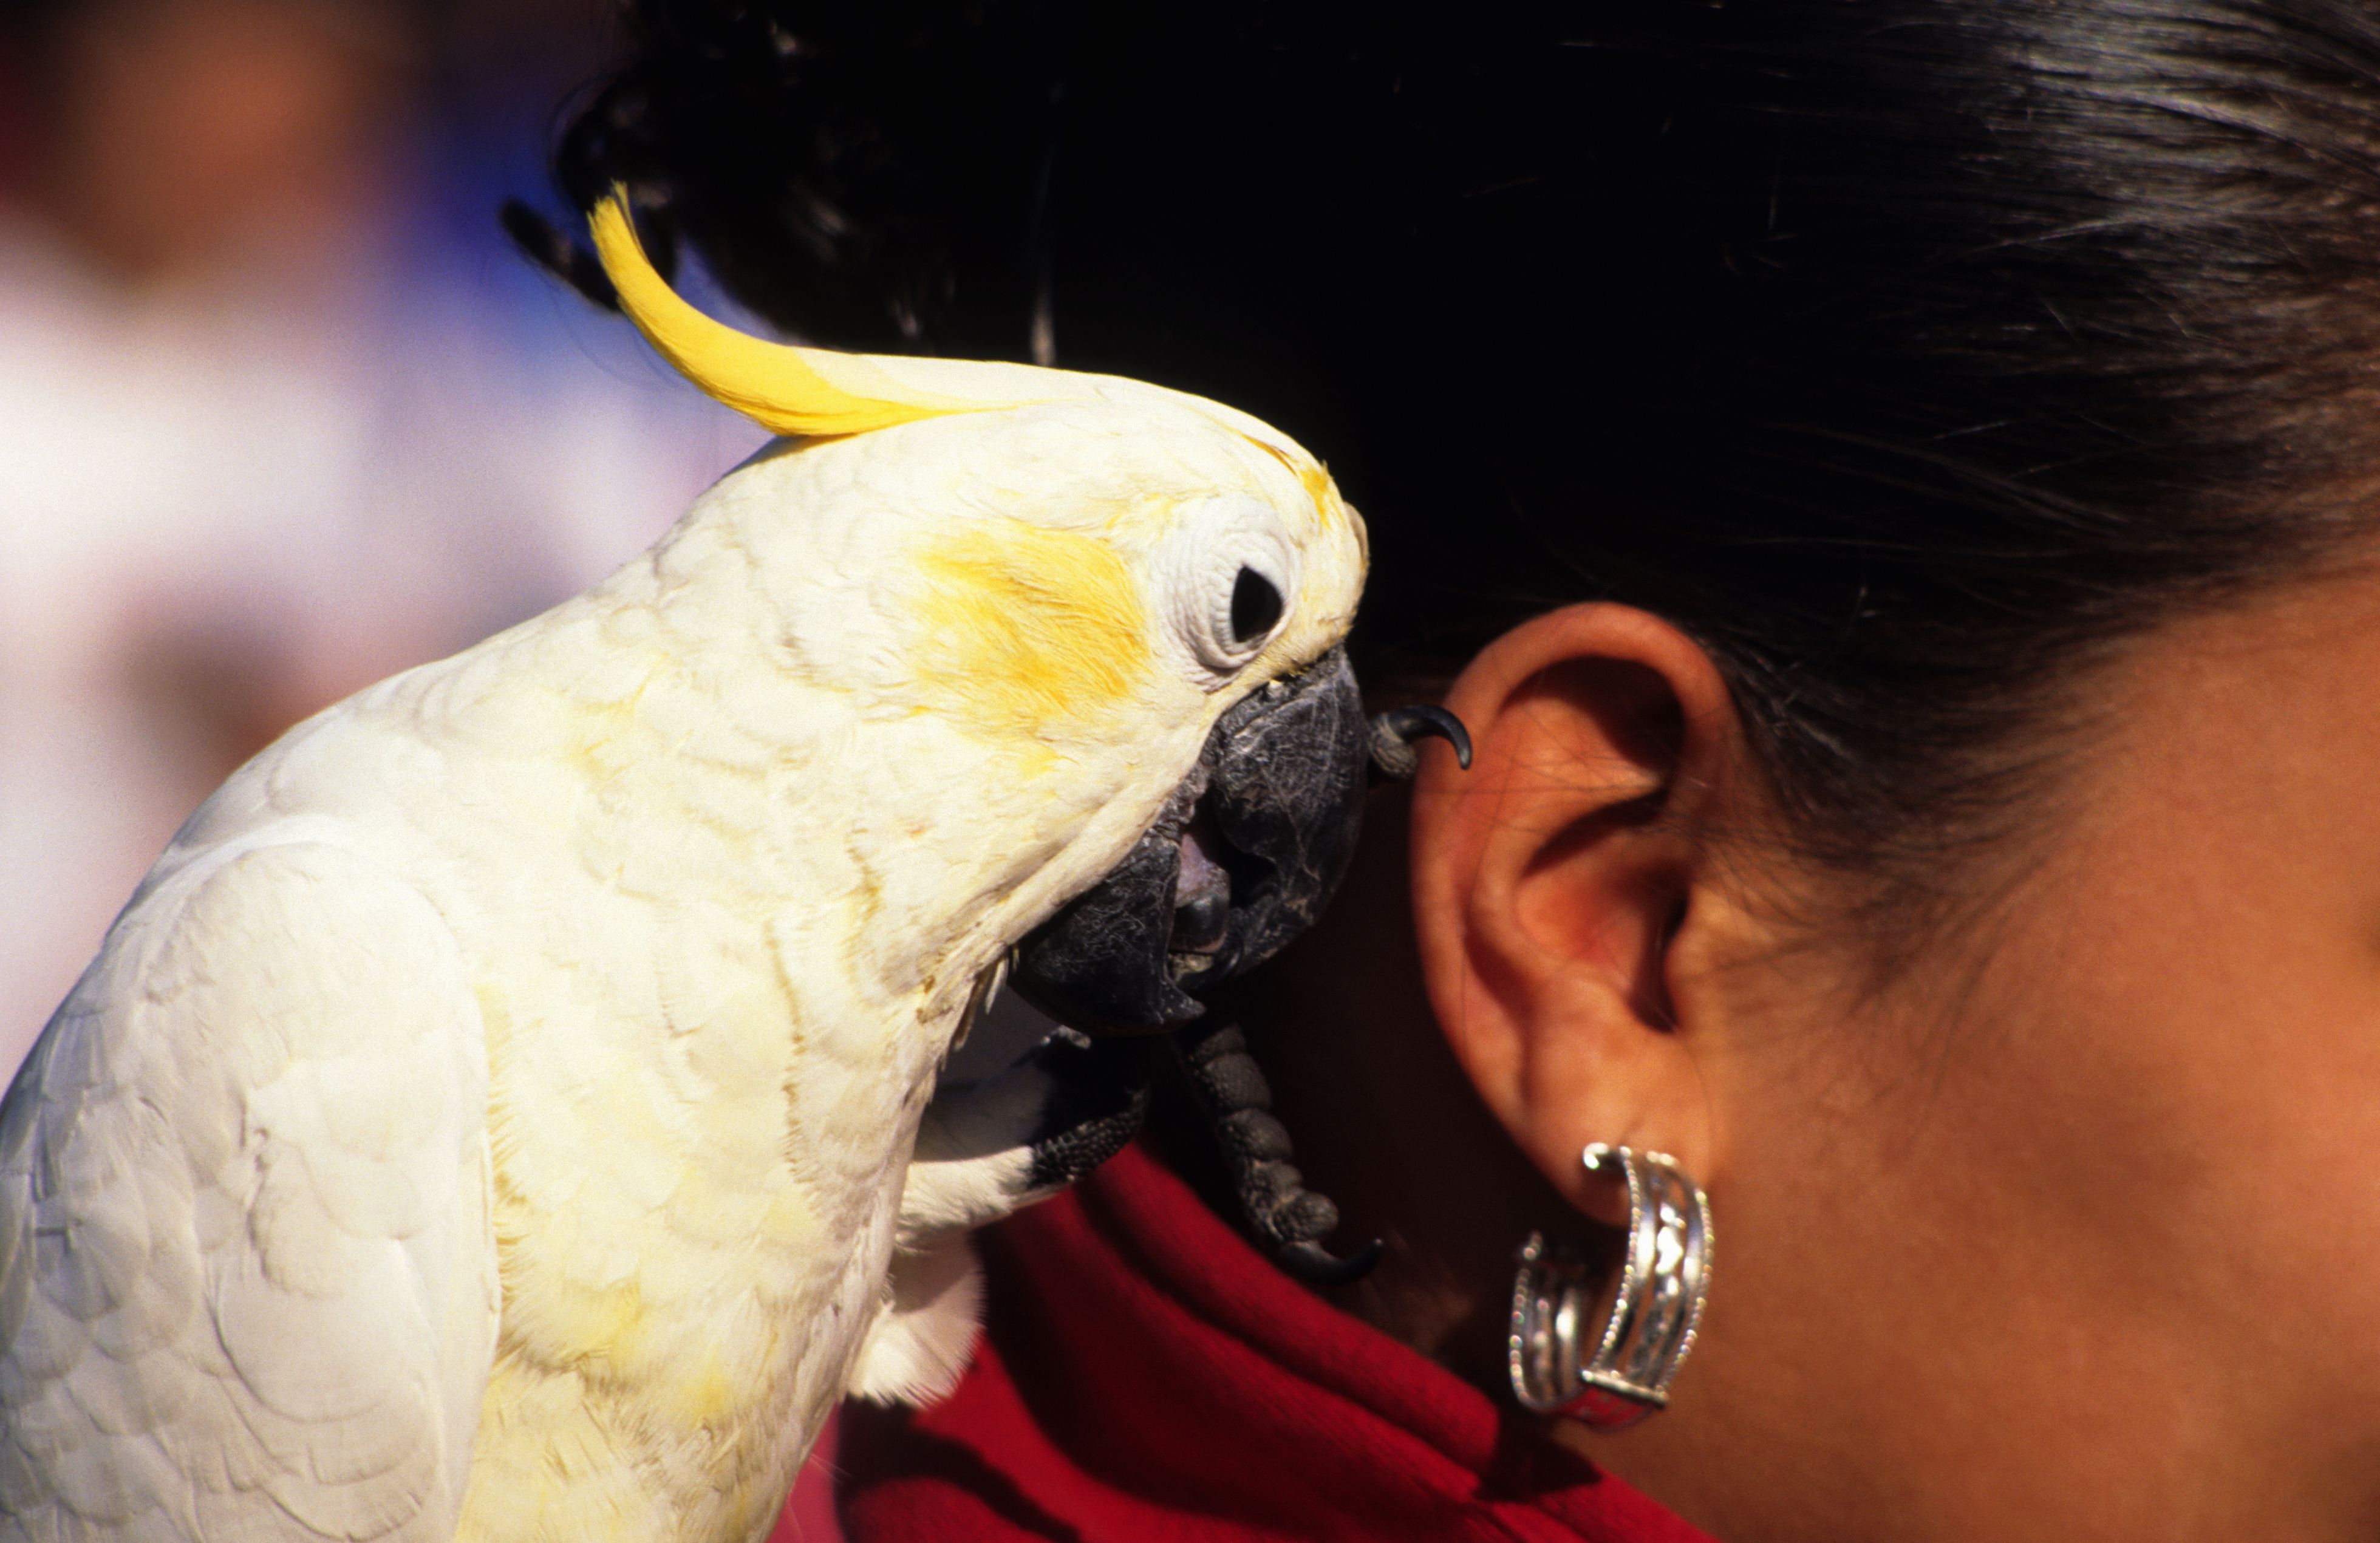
(1131, 600)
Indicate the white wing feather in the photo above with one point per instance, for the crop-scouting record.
(247, 1283)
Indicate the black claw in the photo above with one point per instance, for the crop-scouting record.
(1100, 1099)
(1316, 1266)
(1393, 733)
(1285, 1216)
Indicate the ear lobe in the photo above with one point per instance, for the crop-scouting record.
(1552, 880)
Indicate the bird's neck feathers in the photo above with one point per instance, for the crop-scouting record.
(785, 752)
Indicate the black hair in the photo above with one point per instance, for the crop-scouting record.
(1908, 353)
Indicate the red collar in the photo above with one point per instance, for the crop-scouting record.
(1149, 1376)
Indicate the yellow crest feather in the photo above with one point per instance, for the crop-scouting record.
(792, 390)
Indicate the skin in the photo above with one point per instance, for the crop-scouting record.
(180, 136)
(2070, 1221)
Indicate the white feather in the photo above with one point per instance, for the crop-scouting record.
(247, 1274)
(920, 1345)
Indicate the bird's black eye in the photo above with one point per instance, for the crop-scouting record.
(1256, 607)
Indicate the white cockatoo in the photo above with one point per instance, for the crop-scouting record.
(490, 1117)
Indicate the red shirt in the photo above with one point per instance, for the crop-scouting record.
(1149, 1377)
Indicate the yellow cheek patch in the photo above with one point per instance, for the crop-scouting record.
(1324, 491)
(1020, 626)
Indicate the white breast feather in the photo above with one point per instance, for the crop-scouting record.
(248, 1286)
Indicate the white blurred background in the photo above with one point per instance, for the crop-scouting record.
(281, 412)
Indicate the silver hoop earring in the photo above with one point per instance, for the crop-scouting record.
(1664, 1277)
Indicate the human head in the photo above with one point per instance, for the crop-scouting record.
(1922, 391)
(173, 135)
(1901, 360)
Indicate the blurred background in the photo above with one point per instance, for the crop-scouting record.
(281, 411)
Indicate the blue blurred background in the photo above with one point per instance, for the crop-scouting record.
(281, 412)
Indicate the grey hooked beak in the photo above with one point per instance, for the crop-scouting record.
(1243, 857)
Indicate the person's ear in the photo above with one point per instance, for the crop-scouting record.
(1559, 882)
